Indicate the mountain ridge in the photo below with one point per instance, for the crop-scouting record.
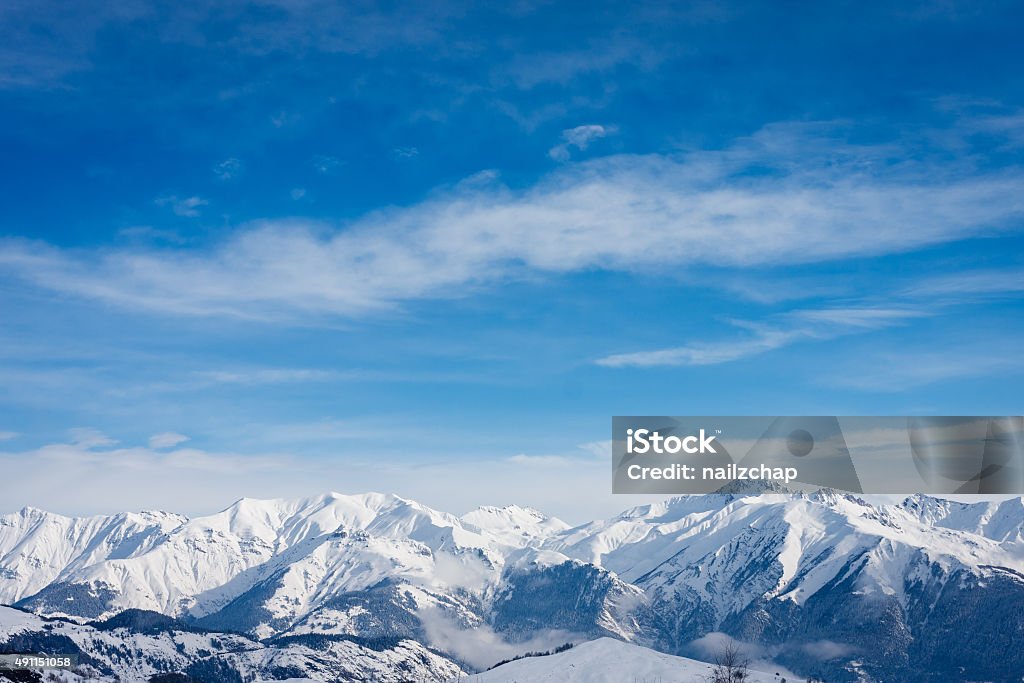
(769, 569)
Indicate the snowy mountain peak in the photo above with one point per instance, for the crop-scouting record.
(380, 566)
(514, 519)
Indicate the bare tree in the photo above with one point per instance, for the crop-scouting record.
(730, 666)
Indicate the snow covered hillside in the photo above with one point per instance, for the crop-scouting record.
(825, 583)
(134, 650)
(606, 660)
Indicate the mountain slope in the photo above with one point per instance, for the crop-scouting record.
(827, 583)
(123, 654)
(789, 571)
(312, 547)
(38, 548)
(607, 661)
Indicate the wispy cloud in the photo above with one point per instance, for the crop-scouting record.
(132, 477)
(579, 138)
(986, 117)
(896, 371)
(793, 327)
(284, 119)
(482, 646)
(855, 318)
(709, 648)
(585, 455)
(788, 195)
(969, 285)
(197, 481)
(704, 353)
(539, 460)
(44, 46)
(598, 449)
(166, 440)
(87, 437)
(325, 163)
(268, 375)
(7, 436)
(228, 169)
(528, 70)
(927, 297)
(187, 207)
(826, 650)
(149, 233)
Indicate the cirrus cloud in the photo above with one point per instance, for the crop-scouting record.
(791, 194)
(580, 138)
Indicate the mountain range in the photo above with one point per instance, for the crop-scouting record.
(377, 587)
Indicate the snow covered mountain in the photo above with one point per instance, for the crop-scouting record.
(826, 584)
(137, 648)
(606, 660)
(39, 548)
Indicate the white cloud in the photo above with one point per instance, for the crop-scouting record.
(971, 285)
(813, 199)
(825, 650)
(92, 476)
(579, 137)
(481, 646)
(187, 207)
(228, 169)
(530, 69)
(793, 327)
(284, 119)
(598, 449)
(269, 375)
(704, 353)
(712, 646)
(857, 317)
(166, 440)
(7, 436)
(540, 460)
(585, 456)
(324, 163)
(95, 475)
(148, 232)
(87, 437)
(42, 48)
(297, 193)
(916, 367)
(987, 117)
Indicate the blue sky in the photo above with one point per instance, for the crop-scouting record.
(362, 246)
